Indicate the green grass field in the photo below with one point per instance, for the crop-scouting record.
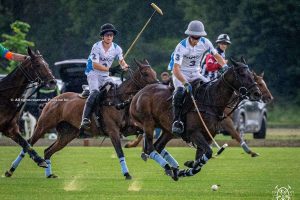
(94, 173)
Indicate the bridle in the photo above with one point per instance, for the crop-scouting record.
(241, 91)
(137, 83)
(36, 77)
(31, 78)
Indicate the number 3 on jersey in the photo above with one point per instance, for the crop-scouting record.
(192, 63)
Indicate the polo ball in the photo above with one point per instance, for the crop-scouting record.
(214, 187)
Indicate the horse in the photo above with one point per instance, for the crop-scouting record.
(31, 71)
(64, 113)
(227, 123)
(151, 107)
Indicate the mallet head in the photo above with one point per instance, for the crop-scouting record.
(222, 149)
(155, 7)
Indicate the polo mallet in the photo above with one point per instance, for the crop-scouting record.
(156, 9)
(220, 149)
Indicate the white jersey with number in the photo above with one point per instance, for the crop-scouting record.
(98, 55)
(189, 57)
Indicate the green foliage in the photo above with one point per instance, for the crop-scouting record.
(284, 115)
(17, 41)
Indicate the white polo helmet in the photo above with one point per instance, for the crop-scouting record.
(195, 28)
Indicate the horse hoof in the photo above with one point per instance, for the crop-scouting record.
(175, 172)
(52, 176)
(189, 163)
(43, 164)
(8, 174)
(169, 171)
(127, 176)
(144, 156)
(253, 154)
(126, 145)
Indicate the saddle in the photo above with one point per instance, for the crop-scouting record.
(85, 92)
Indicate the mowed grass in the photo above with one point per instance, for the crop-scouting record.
(94, 173)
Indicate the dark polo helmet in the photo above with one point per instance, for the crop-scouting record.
(223, 38)
(108, 28)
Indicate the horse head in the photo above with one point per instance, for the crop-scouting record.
(266, 94)
(39, 70)
(240, 79)
(144, 74)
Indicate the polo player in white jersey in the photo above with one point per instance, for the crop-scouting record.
(185, 66)
(98, 67)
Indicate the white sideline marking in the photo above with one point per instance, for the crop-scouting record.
(135, 186)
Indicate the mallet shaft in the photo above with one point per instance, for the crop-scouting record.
(137, 37)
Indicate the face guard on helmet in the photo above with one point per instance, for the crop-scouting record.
(223, 38)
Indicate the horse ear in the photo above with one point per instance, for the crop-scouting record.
(137, 62)
(243, 60)
(30, 52)
(146, 61)
(233, 62)
(262, 74)
(38, 52)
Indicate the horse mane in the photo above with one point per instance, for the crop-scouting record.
(10, 77)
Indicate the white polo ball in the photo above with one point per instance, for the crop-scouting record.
(214, 187)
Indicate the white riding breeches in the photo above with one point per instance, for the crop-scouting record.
(96, 81)
(190, 77)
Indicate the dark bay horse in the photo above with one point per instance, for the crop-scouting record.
(150, 108)
(33, 70)
(64, 113)
(227, 123)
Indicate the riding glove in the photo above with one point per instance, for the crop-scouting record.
(115, 70)
(223, 69)
(188, 87)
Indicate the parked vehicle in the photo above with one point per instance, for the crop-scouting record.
(251, 117)
(71, 74)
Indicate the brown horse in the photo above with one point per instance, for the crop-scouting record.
(227, 123)
(33, 70)
(150, 108)
(64, 113)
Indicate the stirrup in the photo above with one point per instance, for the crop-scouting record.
(85, 124)
(177, 128)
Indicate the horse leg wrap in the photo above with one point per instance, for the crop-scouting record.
(185, 172)
(158, 158)
(200, 162)
(245, 147)
(33, 155)
(16, 162)
(169, 158)
(48, 170)
(123, 165)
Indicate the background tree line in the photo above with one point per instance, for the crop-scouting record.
(266, 32)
